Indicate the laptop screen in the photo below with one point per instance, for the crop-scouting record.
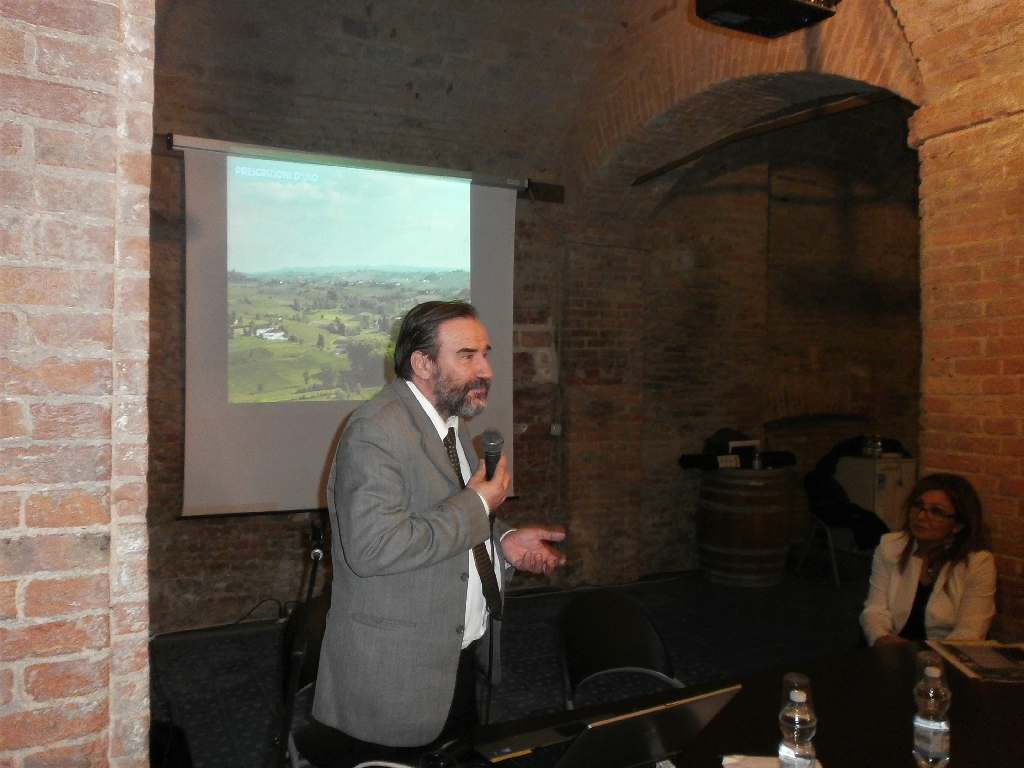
(623, 741)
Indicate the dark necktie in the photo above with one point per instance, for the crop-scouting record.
(492, 594)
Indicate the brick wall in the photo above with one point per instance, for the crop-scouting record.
(537, 301)
(661, 56)
(75, 103)
(706, 339)
(777, 282)
(459, 86)
(454, 85)
(205, 572)
(209, 571)
(593, 280)
(968, 134)
(663, 84)
(648, 104)
(603, 355)
(469, 87)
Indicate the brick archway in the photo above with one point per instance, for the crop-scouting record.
(703, 315)
(697, 122)
(669, 83)
(962, 63)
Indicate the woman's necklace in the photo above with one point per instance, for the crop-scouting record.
(932, 564)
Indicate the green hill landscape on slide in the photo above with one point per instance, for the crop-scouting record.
(317, 335)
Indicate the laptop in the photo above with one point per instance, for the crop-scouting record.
(626, 740)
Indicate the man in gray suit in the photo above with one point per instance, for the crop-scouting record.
(408, 613)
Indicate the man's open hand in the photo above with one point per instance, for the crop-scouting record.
(527, 548)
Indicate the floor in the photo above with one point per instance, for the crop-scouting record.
(221, 685)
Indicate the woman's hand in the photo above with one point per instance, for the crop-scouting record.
(888, 640)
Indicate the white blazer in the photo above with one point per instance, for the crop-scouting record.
(963, 612)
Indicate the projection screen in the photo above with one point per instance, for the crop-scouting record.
(298, 269)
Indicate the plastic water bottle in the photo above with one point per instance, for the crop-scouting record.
(931, 726)
(797, 722)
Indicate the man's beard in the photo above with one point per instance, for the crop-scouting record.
(453, 400)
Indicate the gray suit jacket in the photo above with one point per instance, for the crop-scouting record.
(401, 531)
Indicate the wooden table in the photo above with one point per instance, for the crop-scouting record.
(865, 706)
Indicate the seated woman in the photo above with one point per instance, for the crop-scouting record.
(933, 580)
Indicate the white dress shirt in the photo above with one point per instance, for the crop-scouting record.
(476, 605)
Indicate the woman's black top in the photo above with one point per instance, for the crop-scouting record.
(914, 628)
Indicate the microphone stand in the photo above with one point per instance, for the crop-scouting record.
(490, 639)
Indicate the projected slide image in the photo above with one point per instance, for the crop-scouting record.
(297, 337)
(323, 262)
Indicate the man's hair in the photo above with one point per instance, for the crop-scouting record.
(419, 330)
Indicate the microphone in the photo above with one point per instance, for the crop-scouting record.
(493, 443)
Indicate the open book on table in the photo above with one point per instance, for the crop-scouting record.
(984, 659)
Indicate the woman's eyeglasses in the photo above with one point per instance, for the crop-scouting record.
(933, 512)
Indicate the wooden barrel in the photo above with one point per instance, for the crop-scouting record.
(743, 526)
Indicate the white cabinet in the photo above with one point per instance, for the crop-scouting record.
(881, 485)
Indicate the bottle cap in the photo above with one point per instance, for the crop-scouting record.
(932, 672)
(798, 696)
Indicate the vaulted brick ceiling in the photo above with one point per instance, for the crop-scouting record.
(493, 86)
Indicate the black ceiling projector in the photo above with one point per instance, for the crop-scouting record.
(766, 18)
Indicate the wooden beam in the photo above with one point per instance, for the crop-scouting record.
(841, 105)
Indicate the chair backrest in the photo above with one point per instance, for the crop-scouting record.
(306, 624)
(602, 631)
(300, 657)
(825, 495)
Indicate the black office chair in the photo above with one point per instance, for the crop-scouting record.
(819, 527)
(300, 657)
(603, 632)
(321, 745)
(831, 509)
(302, 737)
